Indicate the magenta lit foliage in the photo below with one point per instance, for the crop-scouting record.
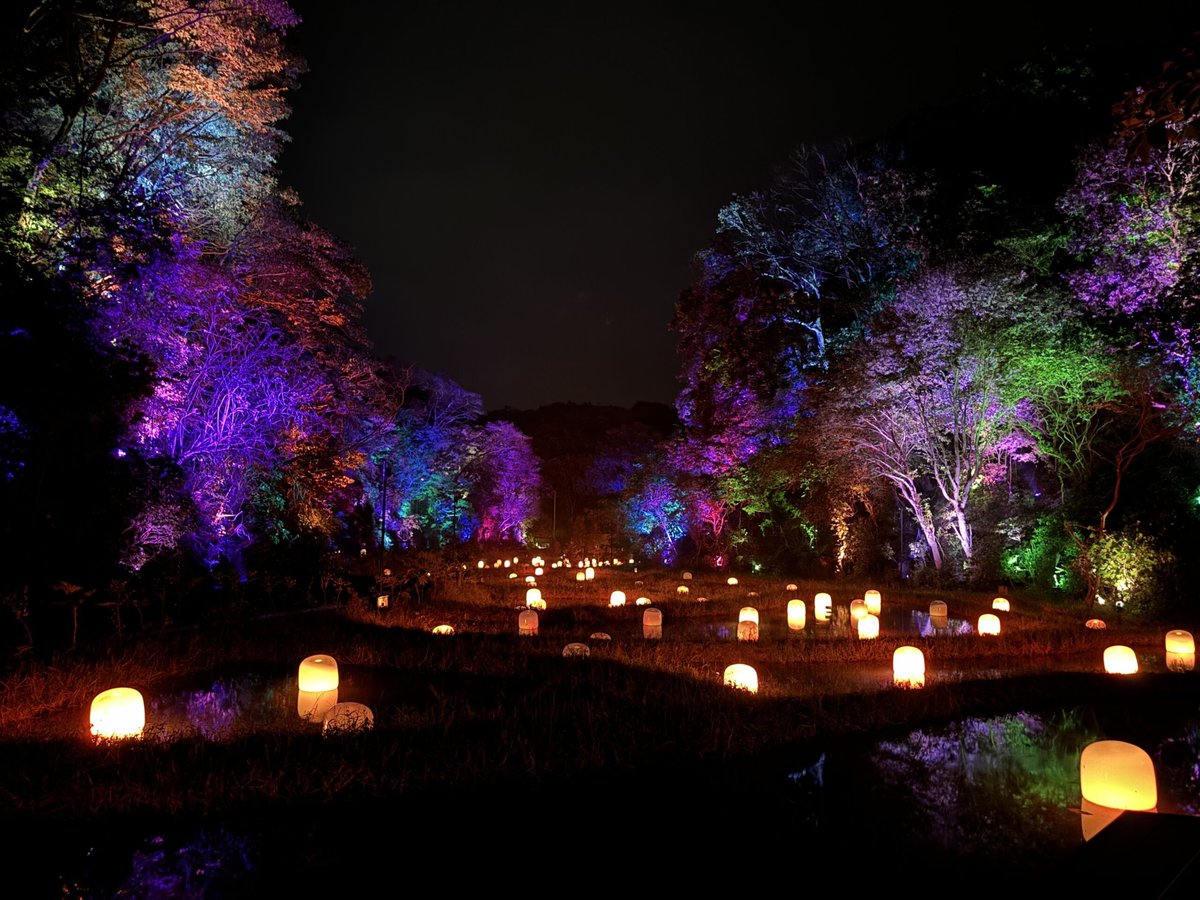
(230, 392)
(1128, 227)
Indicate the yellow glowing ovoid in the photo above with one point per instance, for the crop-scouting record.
(616, 598)
(747, 631)
(989, 623)
(1181, 651)
(1120, 660)
(1118, 775)
(682, 590)
(579, 576)
(741, 677)
(589, 573)
(858, 609)
(874, 601)
(822, 604)
(868, 627)
(791, 589)
(908, 667)
(318, 673)
(527, 623)
(731, 581)
(1001, 604)
(748, 614)
(796, 615)
(642, 601)
(443, 629)
(119, 712)
(533, 599)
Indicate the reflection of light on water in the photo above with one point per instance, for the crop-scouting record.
(208, 861)
(924, 625)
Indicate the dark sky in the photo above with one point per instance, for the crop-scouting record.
(528, 186)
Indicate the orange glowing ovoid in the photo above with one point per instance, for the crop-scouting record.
(1118, 775)
(1120, 660)
(908, 667)
(119, 712)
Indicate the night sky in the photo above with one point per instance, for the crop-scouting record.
(528, 187)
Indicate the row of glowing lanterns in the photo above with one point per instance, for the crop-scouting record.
(121, 712)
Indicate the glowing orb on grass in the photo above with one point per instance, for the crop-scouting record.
(822, 604)
(577, 649)
(600, 636)
(589, 573)
(529, 579)
(741, 677)
(747, 631)
(1181, 651)
(791, 588)
(731, 581)
(858, 610)
(908, 667)
(539, 571)
(874, 601)
(748, 614)
(682, 590)
(579, 576)
(796, 615)
(533, 599)
(868, 627)
(119, 712)
(1001, 604)
(989, 624)
(1118, 775)
(1095, 624)
(616, 598)
(1120, 660)
(687, 576)
(443, 629)
(527, 623)
(642, 601)
(481, 564)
